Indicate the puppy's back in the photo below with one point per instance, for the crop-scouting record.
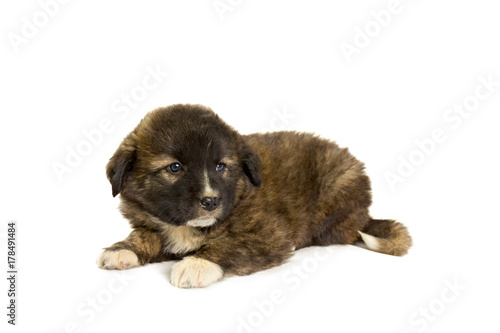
(306, 179)
(303, 165)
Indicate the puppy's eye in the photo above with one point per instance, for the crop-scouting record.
(220, 167)
(174, 167)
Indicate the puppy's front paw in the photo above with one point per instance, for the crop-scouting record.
(192, 272)
(118, 259)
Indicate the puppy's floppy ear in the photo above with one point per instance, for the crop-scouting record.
(121, 163)
(250, 163)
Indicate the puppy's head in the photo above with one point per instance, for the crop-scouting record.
(183, 165)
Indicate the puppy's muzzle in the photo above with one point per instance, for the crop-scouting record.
(210, 204)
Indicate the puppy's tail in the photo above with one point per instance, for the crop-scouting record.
(387, 236)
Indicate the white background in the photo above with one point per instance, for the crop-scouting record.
(261, 58)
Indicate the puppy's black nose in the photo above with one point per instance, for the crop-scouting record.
(209, 204)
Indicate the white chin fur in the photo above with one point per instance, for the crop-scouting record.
(202, 222)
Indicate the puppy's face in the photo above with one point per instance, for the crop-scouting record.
(183, 165)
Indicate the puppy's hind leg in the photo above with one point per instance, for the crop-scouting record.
(140, 247)
(341, 228)
(384, 236)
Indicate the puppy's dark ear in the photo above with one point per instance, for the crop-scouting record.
(121, 163)
(251, 164)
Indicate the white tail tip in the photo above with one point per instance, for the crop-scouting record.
(371, 241)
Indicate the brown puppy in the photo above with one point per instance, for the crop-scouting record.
(225, 204)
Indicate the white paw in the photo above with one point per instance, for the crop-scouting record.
(119, 259)
(192, 272)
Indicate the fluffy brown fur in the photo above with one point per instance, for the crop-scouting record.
(278, 192)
